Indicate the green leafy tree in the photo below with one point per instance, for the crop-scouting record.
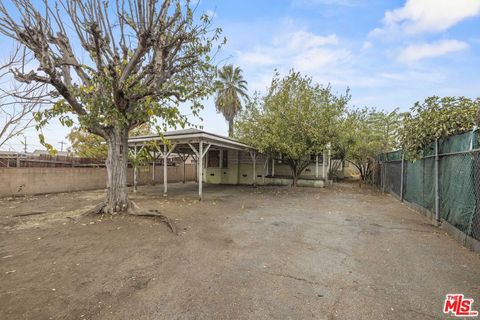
(231, 90)
(345, 138)
(436, 118)
(88, 145)
(134, 62)
(295, 119)
(366, 134)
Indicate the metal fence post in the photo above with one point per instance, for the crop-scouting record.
(401, 177)
(436, 175)
(384, 172)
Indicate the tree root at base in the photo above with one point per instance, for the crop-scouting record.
(134, 210)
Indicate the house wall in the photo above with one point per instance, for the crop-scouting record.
(29, 181)
(240, 170)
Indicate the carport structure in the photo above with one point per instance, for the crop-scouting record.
(188, 142)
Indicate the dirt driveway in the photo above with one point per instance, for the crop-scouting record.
(243, 253)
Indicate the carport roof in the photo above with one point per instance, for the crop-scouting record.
(190, 136)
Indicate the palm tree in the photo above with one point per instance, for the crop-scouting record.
(231, 90)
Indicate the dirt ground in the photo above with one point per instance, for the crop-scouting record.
(242, 253)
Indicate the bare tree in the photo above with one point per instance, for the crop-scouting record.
(115, 65)
(17, 103)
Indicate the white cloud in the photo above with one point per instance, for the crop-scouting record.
(317, 58)
(302, 40)
(256, 58)
(303, 50)
(423, 16)
(421, 51)
(307, 52)
(367, 45)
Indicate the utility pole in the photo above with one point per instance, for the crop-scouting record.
(24, 143)
(62, 143)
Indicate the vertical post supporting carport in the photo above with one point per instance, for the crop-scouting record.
(200, 171)
(200, 153)
(166, 152)
(165, 170)
(316, 166)
(153, 167)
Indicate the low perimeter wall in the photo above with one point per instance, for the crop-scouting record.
(29, 181)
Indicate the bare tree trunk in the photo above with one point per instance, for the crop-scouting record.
(294, 168)
(117, 164)
(230, 128)
(295, 180)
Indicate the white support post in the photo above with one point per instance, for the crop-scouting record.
(153, 167)
(200, 170)
(166, 153)
(329, 158)
(165, 170)
(323, 166)
(316, 166)
(200, 154)
(135, 169)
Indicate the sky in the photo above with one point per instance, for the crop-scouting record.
(389, 53)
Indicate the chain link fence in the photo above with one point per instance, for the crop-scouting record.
(445, 181)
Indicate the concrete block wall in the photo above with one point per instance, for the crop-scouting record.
(30, 181)
(174, 174)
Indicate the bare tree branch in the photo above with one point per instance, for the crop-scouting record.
(17, 103)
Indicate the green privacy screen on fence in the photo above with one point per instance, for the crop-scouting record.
(458, 180)
(419, 185)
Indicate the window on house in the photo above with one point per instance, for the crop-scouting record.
(313, 158)
(225, 159)
(213, 158)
